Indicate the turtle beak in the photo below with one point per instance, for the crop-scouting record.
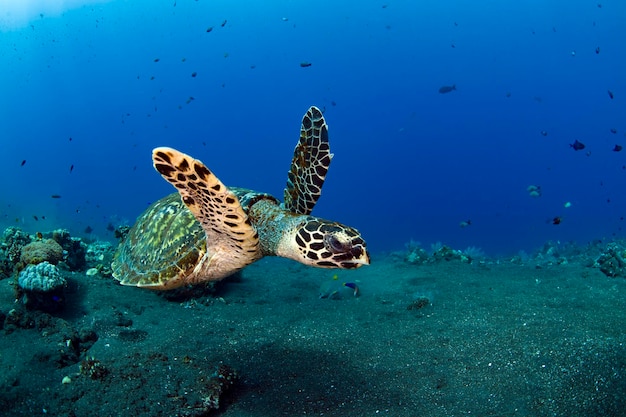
(360, 257)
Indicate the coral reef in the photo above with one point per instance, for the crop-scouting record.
(42, 251)
(74, 248)
(99, 256)
(415, 254)
(6, 266)
(474, 253)
(446, 253)
(612, 261)
(121, 232)
(41, 287)
(13, 242)
(18, 250)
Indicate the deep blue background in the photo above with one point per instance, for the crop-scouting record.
(410, 163)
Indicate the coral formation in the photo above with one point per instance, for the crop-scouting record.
(43, 277)
(446, 253)
(612, 261)
(14, 240)
(439, 252)
(214, 388)
(74, 248)
(41, 287)
(6, 266)
(121, 232)
(42, 251)
(93, 368)
(414, 253)
(474, 253)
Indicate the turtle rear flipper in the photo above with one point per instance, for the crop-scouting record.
(309, 165)
(232, 242)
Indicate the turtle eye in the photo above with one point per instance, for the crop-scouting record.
(335, 245)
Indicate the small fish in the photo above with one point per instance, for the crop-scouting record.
(577, 145)
(610, 94)
(39, 235)
(544, 133)
(55, 196)
(305, 64)
(352, 286)
(598, 50)
(465, 223)
(447, 88)
(88, 229)
(157, 59)
(110, 227)
(209, 29)
(557, 220)
(70, 138)
(534, 191)
(613, 130)
(617, 148)
(193, 74)
(71, 168)
(23, 162)
(224, 22)
(36, 218)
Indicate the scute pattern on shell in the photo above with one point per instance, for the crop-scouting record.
(43, 277)
(165, 244)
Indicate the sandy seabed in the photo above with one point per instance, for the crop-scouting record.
(488, 338)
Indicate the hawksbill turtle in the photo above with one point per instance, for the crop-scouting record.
(208, 231)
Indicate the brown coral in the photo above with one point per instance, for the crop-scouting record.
(40, 251)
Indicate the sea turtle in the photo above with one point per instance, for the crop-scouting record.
(208, 231)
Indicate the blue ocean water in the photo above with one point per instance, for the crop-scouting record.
(89, 88)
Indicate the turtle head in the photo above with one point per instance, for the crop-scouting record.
(326, 244)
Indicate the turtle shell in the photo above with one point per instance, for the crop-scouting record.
(163, 246)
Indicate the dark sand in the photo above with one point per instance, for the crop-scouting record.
(498, 339)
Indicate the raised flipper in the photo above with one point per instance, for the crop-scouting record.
(232, 242)
(310, 163)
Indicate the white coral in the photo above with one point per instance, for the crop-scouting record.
(43, 277)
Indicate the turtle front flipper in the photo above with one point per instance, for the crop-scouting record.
(310, 163)
(232, 242)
